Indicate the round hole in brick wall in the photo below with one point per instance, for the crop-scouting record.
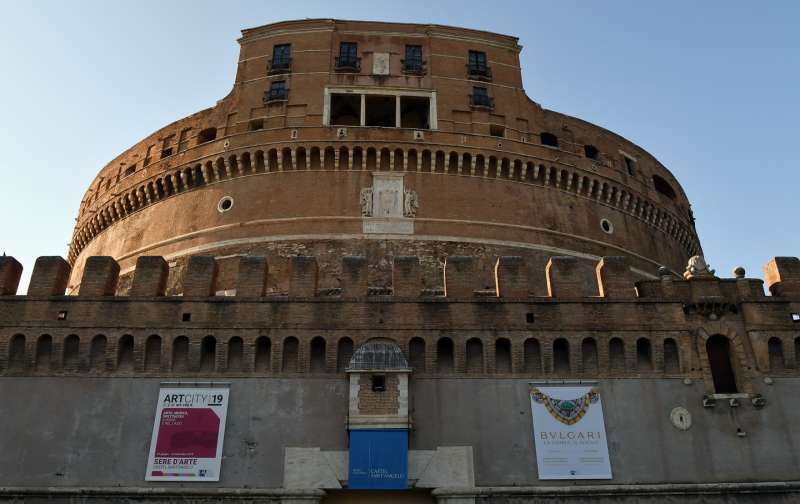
(225, 204)
(606, 226)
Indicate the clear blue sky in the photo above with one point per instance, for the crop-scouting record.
(711, 88)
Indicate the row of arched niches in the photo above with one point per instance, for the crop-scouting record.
(534, 356)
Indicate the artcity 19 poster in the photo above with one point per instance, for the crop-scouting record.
(569, 433)
(187, 435)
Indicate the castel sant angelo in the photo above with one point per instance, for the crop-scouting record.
(378, 271)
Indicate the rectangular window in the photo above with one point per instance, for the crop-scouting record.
(381, 111)
(166, 146)
(477, 63)
(281, 57)
(415, 112)
(630, 165)
(480, 97)
(413, 63)
(345, 110)
(348, 57)
(277, 91)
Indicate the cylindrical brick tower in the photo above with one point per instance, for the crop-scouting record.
(380, 140)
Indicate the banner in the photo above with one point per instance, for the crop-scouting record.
(569, 433)
(378, 459)
(188, 433)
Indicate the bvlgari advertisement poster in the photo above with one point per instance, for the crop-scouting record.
(569, 433)
(187, 435)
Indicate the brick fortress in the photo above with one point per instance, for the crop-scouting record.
(377, 228)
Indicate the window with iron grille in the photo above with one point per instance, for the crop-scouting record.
(277, 91)
(477, 63)
(413, 62)
(348, 55)
(281, 57)
(480, 97)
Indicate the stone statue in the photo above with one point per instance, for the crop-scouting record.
(366, 202)
(410, 203)
(697, 267)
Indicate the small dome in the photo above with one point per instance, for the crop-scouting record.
(378, 355)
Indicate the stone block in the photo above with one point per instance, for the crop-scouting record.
(354, 276)
(201, 276)
(303, 276)
(10, 273)
(782, 275)
(459, 276)
(406, 276)
(100, 276)
(50, 276)
(614, 278)
(150, 277)
(511, 277)
(252, 279)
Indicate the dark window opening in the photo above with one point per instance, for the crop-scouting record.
(480, 97)
(344, 354)
(166, 152)
(616, 355)
(591, 152)
(345, 110)
(183, 141)
(72, 351)
(129, 171)
(256, 124)
(180, 354)
(474, 353)
(561, 356)
(664, 187)
(672, 362)
(416, 354)
(719, 359)
(277, 91)
(208, 354)
(152, 353)
(317, 355)
(207, 135)
(549, 139)
(125, 353)
(644, 355)
(166, 146)
(589, 355)
(413, 63)
(529, 318)
(348, 60)
(415, 112)
(97, 353)
(381, 111)
(263, 354)
(477, 67)
(497, 130)
(290, 355)
(378, 383)
(235, 354)
(444, 355)
(630, 165)
(44, 351)
(776, 361)
(502, 355)
(281, 58)
(532, 356)
(186, 317)
(17, 351)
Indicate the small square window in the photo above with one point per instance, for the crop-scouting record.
(529, 318)
(187, 317)
(497, 130)
(166, 152)
(378, 383)
(62, 315)
(256, 124)
(795, 317)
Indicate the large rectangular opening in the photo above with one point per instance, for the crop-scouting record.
(345, 110)
(381, 111)
(415, 112)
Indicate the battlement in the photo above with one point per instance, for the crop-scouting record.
(565, 281)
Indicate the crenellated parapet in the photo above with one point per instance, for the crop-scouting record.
(623, 328)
